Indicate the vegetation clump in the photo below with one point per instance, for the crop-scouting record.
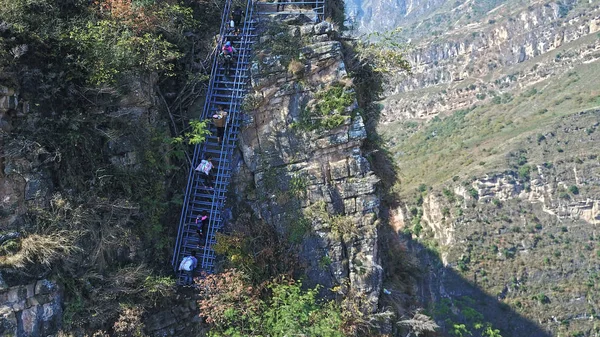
(234, 307)
(329, 110)
(87, 69)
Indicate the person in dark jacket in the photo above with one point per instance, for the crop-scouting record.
(236, 16)
(202, 230)
(281, 3)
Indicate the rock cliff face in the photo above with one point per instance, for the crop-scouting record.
(28, 180)
(314, 185)
(32, 310)
(369, 16)
(512, 51)
(498, 165)
(22, 180)
(181, 319)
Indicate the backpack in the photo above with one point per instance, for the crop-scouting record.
(204, 166)
(186, 264)
(227, 50)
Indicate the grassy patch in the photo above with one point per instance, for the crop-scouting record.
(329, 111)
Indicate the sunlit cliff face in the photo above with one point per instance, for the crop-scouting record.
(366, 16)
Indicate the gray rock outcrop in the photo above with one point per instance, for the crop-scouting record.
(32, 310)
(319, 177)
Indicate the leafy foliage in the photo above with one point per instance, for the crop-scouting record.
(234, 308)
(107, 49)
(82, 65)
(198, 133)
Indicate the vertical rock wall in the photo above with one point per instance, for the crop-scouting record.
(315, 177)
(31, 310)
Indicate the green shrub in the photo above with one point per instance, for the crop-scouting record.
(324, 262)
(108, 49)
(329, 111)
(449, 195)
(446, 211)
(574, 189)
(419, 199)
(541, 298)
(473, 193)
(298, 230)
(417, 228)
(525, 172)
(509, 253)
(530, 92)
(540, 138)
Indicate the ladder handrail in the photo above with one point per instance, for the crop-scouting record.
(232, 117)
(182, 219)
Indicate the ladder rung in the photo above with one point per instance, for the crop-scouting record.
(242, 89)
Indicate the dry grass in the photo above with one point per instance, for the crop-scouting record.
(129, 323)
(42, 249)
(420, 324)
(296, 68)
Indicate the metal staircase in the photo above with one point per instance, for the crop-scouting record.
(228, 91)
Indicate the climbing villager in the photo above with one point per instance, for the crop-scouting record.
(227, 53)
(205, 168)
(202, 228)
(236, 16)
(281, 3)
(187, 266)
(220, 120)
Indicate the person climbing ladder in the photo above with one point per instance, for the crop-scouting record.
(205, 168)
(220, 121)
(227, 54)
(202, 229)
(236, 16)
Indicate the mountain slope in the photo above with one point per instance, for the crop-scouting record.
(495, 142)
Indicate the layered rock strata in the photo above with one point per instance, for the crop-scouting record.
(318, 177)
(460, 69)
